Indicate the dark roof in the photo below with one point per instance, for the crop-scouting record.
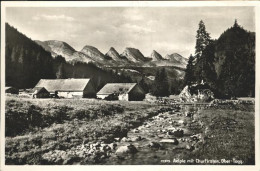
(6, 88)
(118, 88)
(37, 90)
(53, 85)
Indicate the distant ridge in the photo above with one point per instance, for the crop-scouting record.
(129, 57)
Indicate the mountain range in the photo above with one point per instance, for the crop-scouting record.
(129, 57)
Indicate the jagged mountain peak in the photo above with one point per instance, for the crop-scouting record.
(112, 49)
(113, 54)
(93, 52)
(177, 59)
(59, 44)
(56, 47)
(175, 56)
(154, 51)
(133, 54)
(89, 47)
(130, 56)
(156, 56)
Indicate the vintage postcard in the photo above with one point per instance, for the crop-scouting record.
(156, 85)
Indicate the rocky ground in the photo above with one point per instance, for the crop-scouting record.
(160, 138)
(134, 133)
(151, 143)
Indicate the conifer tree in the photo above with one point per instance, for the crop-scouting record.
(144, 85)
(235, 24)
(189, 72)
(156, 84)
(161, 84)
(164, 83)
(202, 39)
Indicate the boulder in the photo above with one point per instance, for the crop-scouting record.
(106, 148)
(138, 138)
(181, 121)
(136, 131)
(112, 146)
(126, 139)
(117, 139)
(178, 133)
(188, 114)
(172, 129)
(154, 145)
(195, 137)
(172, 141)
(185, 94)
(131, 149)
(196, 92)
(190, 147)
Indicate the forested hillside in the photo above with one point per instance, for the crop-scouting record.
(226, 64)
(27, 63)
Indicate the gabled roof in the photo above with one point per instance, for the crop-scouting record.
(10, 88)
(71, 84)
(6, 88)
(118, 88)
(37, 90)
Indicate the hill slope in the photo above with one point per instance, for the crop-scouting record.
(61, 48)
(228, 63)
(27, 62)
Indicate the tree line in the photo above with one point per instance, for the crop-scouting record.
(227, 64)
(26, 63)
(162, 85)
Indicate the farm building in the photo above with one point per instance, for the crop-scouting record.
(68, 88)
(39, 92)
(25, 93)
(11, 90)
(122, 91)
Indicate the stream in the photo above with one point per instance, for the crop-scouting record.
(162, 138)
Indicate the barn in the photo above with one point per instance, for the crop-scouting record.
(11, 90)
(39, 92)
(68, 88)
(122, 91)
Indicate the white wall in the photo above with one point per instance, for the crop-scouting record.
(123, 97)
(70, 94)
(102, 96)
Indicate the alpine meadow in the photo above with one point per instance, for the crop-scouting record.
(130, 86)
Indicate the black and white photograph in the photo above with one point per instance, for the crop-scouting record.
(128, 85)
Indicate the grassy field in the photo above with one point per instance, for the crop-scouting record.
(229, 135)
(35, 127)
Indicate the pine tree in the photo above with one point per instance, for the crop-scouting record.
(235, 24)
(156, 84)
(189, 72)
(165, 91)
(144, 85)
(202, 39)
(208, 73)
(161, 85)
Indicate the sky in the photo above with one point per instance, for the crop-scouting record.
(164, 29)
